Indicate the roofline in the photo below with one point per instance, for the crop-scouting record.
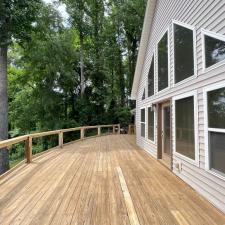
(149, 14)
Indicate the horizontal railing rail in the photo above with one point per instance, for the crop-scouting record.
(28, 139)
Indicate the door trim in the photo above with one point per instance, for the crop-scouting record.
(160, 107)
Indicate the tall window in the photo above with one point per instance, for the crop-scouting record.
(163, 63)
(183, 53)
(185, 127)
(214, 50)
(151, 79)
(151, 122)
(216, 129)
(143, 122)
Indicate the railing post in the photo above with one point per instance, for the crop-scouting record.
(61, 139)
(28, 149)
(82, 133)
(113, 129)
(99, 131)
(118, 128)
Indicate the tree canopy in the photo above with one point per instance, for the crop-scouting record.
(70, 73)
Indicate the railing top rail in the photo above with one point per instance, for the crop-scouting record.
(12, 141)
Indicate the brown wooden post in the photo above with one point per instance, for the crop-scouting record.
(99, 131)
(82, 133)
(28, 149)
(61, 139)
(113, 129)
(118, 128)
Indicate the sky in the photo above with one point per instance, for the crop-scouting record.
(61, 8)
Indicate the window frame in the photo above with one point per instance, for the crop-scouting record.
(157, 64)
(207, 129)
(154, 76)
(179, 155)
(190, 27)
(154, 125)
(143, 122)
(215, 35)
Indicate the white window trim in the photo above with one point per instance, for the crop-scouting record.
(190, 27)
(143, 123)
(154, 77)
(153, 142)
(218, 36)
(157, 72)
(188, 94)
(207, 129)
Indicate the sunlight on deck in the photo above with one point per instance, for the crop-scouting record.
(103, 180)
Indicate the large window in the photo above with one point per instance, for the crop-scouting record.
(185, 126)
(151, 123)
(183, 53)
(216, 129)
(214, 48)
(143, 122)
(151, 79)
(163, 63)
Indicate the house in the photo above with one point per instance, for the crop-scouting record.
(179, 88)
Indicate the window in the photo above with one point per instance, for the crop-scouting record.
(183, 52)
(163, 63)
(151, 122)
(143, 95)
(215, 129)
(143, 122)
(185, 134)
(214, 48)
(151, 79)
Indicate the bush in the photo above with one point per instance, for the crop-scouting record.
(123, 116)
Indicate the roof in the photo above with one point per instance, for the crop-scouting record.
(149, 14)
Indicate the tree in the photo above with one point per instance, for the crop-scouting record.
(15, 22)
(79, 20)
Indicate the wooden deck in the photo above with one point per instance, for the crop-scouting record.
(104, 181)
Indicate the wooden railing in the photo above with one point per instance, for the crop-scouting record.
(131, 129)
(28, 139)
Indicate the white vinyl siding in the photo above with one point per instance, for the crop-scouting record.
(207, 15)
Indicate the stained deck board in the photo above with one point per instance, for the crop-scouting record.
(80, 184)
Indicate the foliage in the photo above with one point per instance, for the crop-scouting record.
(16, 19)
(45, 73)
(123, 116)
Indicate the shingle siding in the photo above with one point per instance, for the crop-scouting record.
(200, 14)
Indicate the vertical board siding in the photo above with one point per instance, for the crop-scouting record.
(200, 14)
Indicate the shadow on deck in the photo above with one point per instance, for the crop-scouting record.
(103, 180)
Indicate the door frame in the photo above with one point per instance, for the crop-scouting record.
(164, 105)
(160, 125)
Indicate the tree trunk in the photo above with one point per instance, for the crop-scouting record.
(4, 154)
(82, 80)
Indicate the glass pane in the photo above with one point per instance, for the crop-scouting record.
(166, 130)
(185, 140)
(214, 50)
(151, 79)
(143, 96)
(163, 63)
(142, 115)
(183, 53)
(217, 150)
(216, 108)
(142, 129)
(151, 119)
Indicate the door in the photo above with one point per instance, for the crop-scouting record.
(166, 132)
